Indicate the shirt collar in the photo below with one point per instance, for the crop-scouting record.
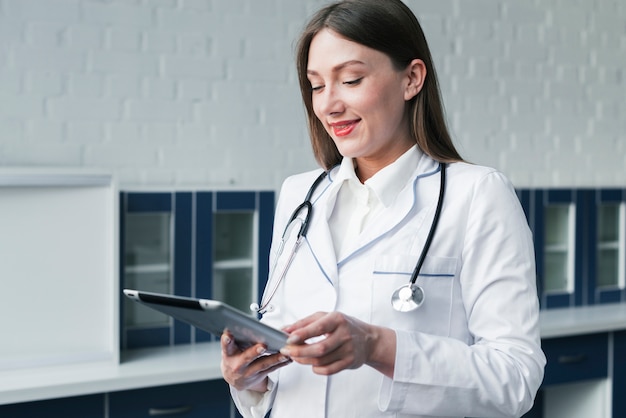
(389, 181)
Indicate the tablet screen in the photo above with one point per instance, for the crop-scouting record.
(214, 317)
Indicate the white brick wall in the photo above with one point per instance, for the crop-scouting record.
(190, 93)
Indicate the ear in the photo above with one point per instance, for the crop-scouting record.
(416, 74)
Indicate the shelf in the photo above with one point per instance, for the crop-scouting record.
(609, 245)
(240, 263)
(148, 268)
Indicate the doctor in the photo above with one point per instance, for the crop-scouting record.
(461, 337)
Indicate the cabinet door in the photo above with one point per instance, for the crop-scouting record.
(575, 359)
(557, 224)
(199, 399)
(607, 242)
(205, 244)
(233, 234)
(91, 406)
(145, 264)
(155, 253)
(619, 374)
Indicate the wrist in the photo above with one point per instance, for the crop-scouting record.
(382, 351)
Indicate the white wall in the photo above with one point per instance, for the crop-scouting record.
(191, 93)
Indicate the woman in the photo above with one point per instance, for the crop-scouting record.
(378, 130)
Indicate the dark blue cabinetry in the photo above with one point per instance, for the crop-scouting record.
(189, 400)
(182, 258)
(584, 358)
(209, 398)
(619, 374)
(574, 359)
(606, 246)
(579, 244)
(91, 406)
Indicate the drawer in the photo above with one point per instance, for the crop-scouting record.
(572, 359)
(90, 406)
(199, 399)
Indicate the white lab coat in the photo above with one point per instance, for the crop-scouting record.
(471, 349)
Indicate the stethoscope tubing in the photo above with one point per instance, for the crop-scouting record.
(307, 206)
(433, 227)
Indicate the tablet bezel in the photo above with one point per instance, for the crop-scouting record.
(214, 317)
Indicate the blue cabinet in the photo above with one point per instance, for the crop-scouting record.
(91, 406)
(558, 216)
(580, 240)
(209, 244)
(583, 359)
(607, 241)
(619, 374)
(209, 398)
(577, 358)
(189, 400)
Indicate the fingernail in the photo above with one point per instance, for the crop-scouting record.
(293, 339)
(260, 350)
(227, 340)
(283, 359)
(285, 352)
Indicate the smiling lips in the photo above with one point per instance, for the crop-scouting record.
(344, 128)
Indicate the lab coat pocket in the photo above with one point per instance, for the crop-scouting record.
(437, 280)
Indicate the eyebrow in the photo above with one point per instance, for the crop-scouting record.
(338, 67)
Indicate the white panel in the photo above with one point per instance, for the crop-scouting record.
(58, 274)
(578, 400)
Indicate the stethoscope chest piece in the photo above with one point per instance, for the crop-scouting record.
(407, 298)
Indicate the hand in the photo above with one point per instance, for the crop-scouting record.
(340, 342)
(248, 369)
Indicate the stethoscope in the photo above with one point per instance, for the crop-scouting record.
(406, 298)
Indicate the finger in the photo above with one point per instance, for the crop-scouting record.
(303, 322)
(269, 363)
(229, 348)
(331, 368)
(314, 353)
(331, 362)
(314, 327)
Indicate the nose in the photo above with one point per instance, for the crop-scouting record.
(328, 102)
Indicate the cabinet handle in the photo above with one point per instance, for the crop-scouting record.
(153, 412)
(577, 358)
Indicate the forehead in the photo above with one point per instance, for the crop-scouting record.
(330, 51)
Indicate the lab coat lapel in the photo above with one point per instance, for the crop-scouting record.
(319, 238)
(407, 202)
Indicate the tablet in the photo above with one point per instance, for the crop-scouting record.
(214, 317)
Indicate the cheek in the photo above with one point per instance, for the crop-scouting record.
(317, 111)
(381, 103)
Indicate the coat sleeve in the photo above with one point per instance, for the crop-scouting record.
(252, 404)
(499, 372)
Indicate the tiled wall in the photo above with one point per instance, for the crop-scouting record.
(203, 92)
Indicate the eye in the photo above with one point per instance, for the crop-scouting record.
(353, 82)
(316, 88)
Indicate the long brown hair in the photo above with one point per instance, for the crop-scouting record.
(388, 26)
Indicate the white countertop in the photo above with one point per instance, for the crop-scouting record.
(189, 363)
(582, 320)
(137, 369)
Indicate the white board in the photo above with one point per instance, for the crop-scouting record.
(58, 268)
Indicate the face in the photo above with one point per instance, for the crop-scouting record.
(361, 99)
